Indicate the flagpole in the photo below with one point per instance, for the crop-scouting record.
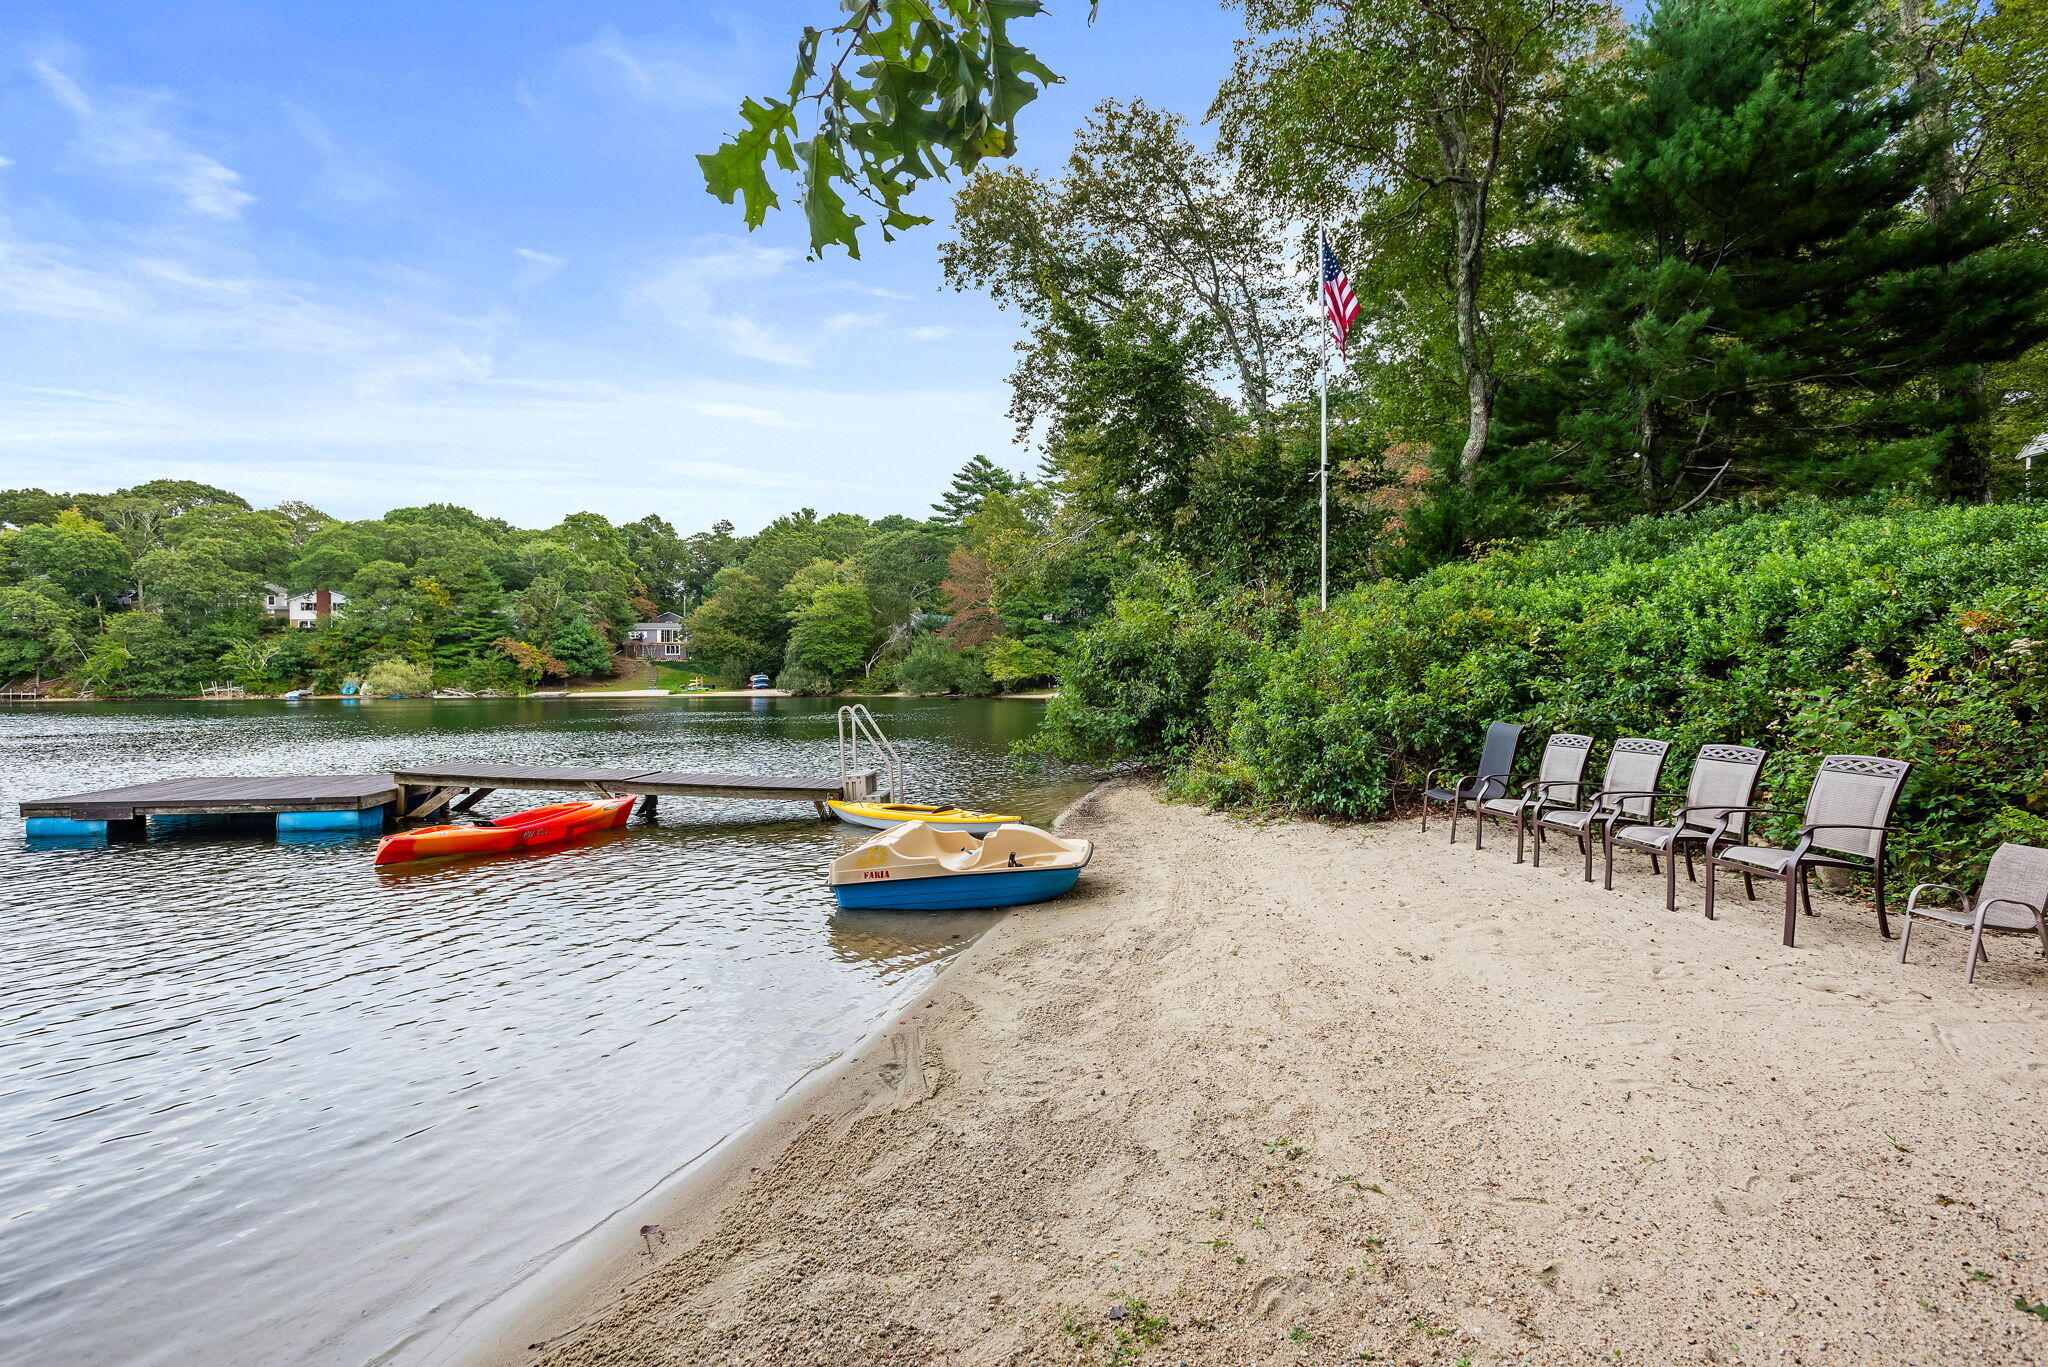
(1323, 464)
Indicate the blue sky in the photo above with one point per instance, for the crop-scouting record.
(374, 254)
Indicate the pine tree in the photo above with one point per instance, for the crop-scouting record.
(478, 622)
(975, 481)
(1753, 294)
(580, 646)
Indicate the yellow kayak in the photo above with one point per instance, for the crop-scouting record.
(883, 815)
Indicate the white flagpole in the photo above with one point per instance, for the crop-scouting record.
(1323, 472)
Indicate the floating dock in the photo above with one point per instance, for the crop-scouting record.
(368, 802)
(300, 802)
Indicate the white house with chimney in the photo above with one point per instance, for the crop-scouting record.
(308, 609)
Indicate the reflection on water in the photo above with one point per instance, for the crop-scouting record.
(261, 1102)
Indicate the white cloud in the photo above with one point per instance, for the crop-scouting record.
(766, 417)
(723, 473)
(536, 267)
(852, 322)
(648, 70)
(347, 175)
(929, 334)
(682, 292)
(208, 302)
(125, 130)
(37, 280)
(746, 337)
(859, 287)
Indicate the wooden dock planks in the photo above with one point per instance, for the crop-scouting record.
(222, 797)
(645, 782)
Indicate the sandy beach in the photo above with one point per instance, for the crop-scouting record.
(1294, 1093)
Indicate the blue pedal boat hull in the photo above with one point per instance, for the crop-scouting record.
(957, 892)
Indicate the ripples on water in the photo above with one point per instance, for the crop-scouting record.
(262, 1103)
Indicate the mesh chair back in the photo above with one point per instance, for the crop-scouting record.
(1723, 776)
(2018, 874)
(1857, 790)
(1564, 762)
(1633, 766)
(1497, 757)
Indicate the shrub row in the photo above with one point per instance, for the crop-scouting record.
(1807, 627)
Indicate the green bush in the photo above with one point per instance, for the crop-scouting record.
(934, 665)
(395, 676)
(1809, 628)
(804, 681)
(1137, 685)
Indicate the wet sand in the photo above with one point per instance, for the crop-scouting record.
(1291, 1093)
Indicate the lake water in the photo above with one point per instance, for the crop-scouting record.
(262, 1103)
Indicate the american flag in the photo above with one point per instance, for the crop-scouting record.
(1337, 298)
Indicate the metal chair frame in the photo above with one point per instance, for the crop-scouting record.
(1796, 872)
(1687, 833)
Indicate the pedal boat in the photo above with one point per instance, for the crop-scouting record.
(521, 830)
(916, 867)
(882, 815)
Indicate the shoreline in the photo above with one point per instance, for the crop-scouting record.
(1296, 1093)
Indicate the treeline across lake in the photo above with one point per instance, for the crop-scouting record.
(172, 586)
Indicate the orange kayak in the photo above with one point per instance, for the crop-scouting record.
(538, 826)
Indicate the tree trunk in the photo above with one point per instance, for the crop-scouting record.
(1649, 424)
(1468, 187)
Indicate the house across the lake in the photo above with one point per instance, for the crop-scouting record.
(661, 638)
(302, 609)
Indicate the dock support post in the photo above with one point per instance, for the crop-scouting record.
(650, 805)
(478, 796)
(823, 814)
(416, 802)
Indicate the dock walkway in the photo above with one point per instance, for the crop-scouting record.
(481, 780)
(366, 802)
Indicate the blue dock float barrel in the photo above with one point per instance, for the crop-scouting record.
(63, 828)
(366, 820)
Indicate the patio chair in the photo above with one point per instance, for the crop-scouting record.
(1723, 778)
(1560, 775)
(1848, 813)
(1496, 762)
(2012, 897)
(1634, 765)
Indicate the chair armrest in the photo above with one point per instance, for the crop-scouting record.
(1457, 782)
(1983, 907)
(1726, 812)
(1619, 795)
(1478, 783)
(1537, 792)
(1721, 826)
(1840, 826)
(1913, 897)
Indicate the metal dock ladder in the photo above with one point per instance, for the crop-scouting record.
(859, 734)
